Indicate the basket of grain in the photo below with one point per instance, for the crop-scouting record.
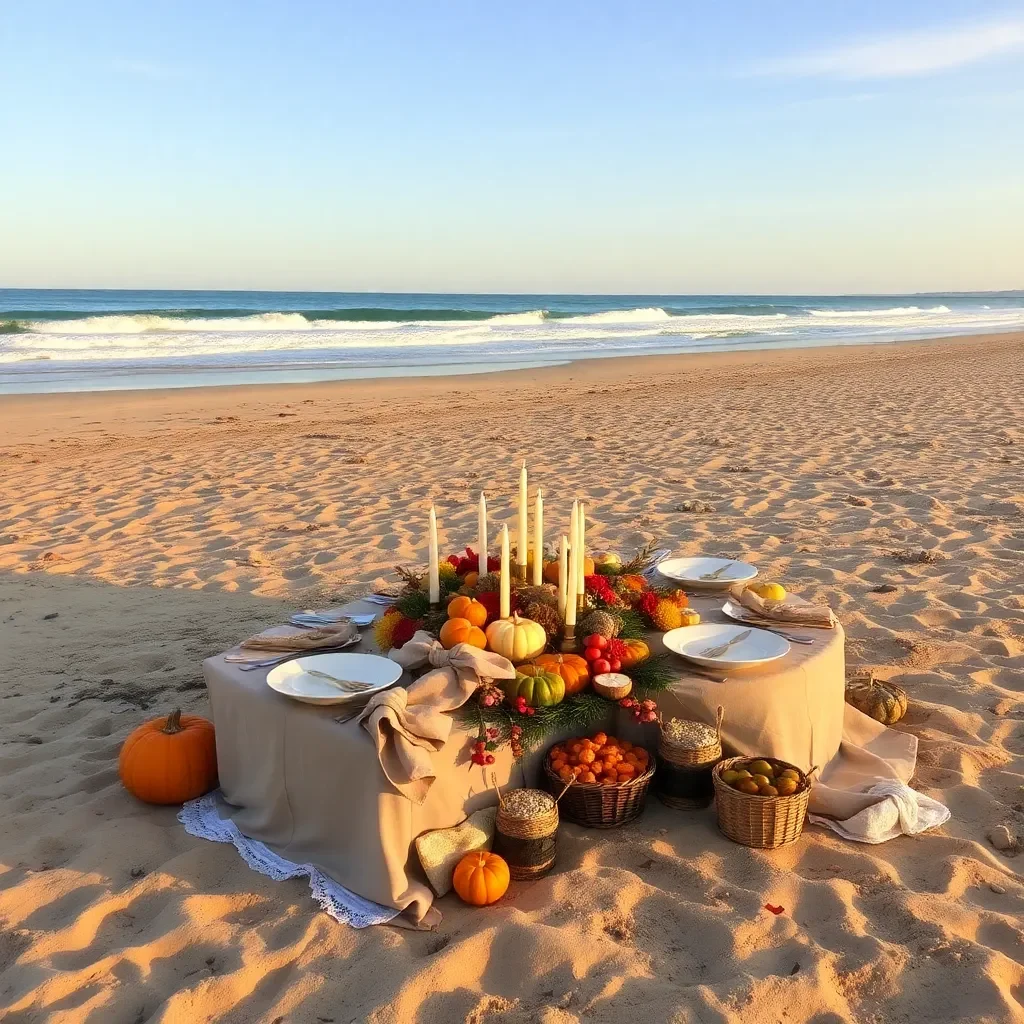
(687, 751)
(525, 832)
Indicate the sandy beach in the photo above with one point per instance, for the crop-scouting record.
(143, 531)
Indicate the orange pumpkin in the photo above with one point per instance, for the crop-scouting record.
(467, 608)
(636, 652)
(573, 669)
(462, 631)
(469, 581)
(551, 572)
(481, 878)
(170, 760)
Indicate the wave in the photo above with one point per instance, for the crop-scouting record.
(867, 313)
(650, 315)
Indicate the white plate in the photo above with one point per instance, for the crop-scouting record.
(759, 648)
(689, 572)
(292, 679)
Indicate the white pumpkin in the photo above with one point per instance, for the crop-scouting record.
(516, 639)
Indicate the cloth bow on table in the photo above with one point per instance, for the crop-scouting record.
(791, 609)
(409, 725)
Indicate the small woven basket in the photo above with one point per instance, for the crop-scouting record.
(762, 822)
(688, 757)
(596, 805)
(527, 844)
(683, 781)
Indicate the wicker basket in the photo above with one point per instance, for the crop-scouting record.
(683, 781)
(527, 844)
(598, 806)
(763, 822)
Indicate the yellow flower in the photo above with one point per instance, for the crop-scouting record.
(384, 629)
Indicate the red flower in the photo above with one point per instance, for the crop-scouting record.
(600, 588)
(470, 562)
(491, 600)
(404, 630)
(454, 560)
(647, 603)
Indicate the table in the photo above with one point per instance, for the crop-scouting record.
(313, 790)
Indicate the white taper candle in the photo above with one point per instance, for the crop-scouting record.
(505, 590)
(433, 575)
(482, 539)
(538, 539)
(523, 540)
(570, 583)
(563, 575)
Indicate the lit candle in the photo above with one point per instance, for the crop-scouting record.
(505, 599)
(482, 530)
(570, 583)
(581, 539)
(432, 572)
(523, 541)
(563, 574)
(538, 539)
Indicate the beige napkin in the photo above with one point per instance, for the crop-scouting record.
(292, 638)
(790, 609)
(409, 725)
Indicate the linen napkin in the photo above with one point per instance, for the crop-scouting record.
(409, 725)
(288, 638)
(900, 811)
(791, 609)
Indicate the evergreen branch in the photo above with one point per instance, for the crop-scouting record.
(652, 676)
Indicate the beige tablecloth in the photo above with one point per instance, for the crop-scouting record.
(313, 789)
(796, 711)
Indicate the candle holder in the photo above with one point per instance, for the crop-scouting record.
(569, 639)
(519, 571)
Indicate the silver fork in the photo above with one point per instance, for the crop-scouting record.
(718, 572)
(720, 649)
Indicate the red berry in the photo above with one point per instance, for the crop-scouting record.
(649, 716)
(592, 653)
(489, 759)
(600, 666)
(615, 664)
(596, 640)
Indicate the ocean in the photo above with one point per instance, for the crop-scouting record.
(87, 340)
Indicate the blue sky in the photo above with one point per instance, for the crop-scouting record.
(754, 146)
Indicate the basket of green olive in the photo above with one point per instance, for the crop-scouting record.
(761, 801)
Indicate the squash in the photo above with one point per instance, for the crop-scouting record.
(636, 652)
(879, 699)
(516, 639)
(469, 581)
(613, 685)
(539, 688)
(170, 760)
(461, 631)
(574, 670)
(467, 608)
(551, 572)
(480, 878)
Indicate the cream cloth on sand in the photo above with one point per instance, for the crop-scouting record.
(409, 726)
(791, 609)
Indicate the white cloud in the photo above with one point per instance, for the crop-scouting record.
(905, 54)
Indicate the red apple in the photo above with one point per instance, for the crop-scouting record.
(592, 653)
(596, 640)
(600, 666)
(615, 665)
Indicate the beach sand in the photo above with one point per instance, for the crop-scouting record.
(161, 527)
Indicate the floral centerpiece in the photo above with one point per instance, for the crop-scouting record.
(555, 689)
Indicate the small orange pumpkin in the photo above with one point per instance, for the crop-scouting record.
(636, 652)
(469, 581)
(170, 760)
(481, 878)
(467, 608)
(551, 572)
(573, 669)
(462, 631)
